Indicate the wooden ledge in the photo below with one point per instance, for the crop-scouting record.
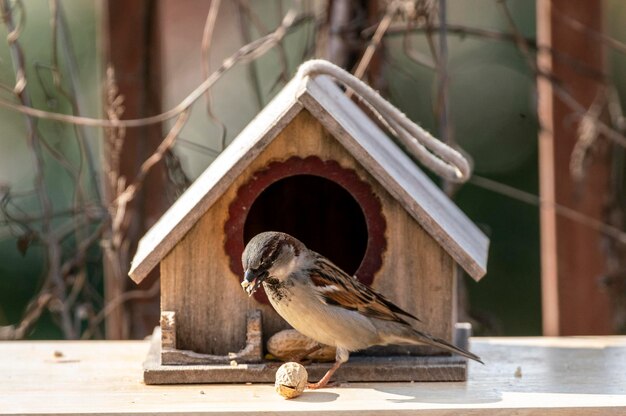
(433, 368)
(522, 376)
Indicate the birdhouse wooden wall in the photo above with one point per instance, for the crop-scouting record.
(200, 279)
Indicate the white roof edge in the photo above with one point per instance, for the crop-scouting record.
(426, 202)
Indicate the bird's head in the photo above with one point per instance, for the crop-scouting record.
(269, 254)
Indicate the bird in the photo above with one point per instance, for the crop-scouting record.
(323, 302)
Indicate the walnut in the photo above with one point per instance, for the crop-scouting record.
(291, 380)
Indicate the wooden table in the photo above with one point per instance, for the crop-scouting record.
(556, 376)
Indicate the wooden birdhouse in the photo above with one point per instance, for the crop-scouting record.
(311, 164)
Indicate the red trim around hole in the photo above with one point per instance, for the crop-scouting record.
(348, 179)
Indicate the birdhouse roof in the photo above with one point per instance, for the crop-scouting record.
(386, 162)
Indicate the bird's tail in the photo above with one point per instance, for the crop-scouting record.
(413, 336)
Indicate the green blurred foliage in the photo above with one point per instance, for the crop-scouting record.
(615, 12)
(21, 274)
(493, 116)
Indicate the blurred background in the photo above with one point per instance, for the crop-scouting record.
(531, 91)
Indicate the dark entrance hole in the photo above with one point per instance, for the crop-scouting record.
(318, 212)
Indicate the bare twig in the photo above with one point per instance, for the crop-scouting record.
(443, 81)
(246, 53)
(33, 312)
(615, 109)
(382, 27)
(405, 30)
(587, 136)
(77, 261)
(558, 89)
(245, 16)
(413, 54)
(207, 40)
(401, 29)
(261, 28)
(562, 210)
(130, 191)
(149, 293)
(34, 145)
(580, 27)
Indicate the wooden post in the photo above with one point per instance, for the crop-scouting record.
(168, 330)
(571, 255)
(131, 45)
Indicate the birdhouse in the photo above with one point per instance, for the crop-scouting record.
(314, 165)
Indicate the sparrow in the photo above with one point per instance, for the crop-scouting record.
(323, 302)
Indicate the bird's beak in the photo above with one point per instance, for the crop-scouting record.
(252, 279)
(249, 276)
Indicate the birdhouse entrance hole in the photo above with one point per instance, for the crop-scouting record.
(327, 207)
(318, 212)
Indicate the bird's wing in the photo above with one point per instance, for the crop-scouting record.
(335, 287)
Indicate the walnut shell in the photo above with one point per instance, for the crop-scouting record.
(291, 380)
(289, 343)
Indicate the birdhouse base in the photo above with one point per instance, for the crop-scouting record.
(358, 369)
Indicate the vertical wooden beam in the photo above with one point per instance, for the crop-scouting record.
(132, 48)
(339, 51)
(547, 217)
(571, 254)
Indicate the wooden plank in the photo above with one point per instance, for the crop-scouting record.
(164, 337)
(430, 207)
(168, 330)
(132, 48)
(572, 258)
(559, 376)
(547, 213)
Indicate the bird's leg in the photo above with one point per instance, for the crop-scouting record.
(324, 381)
(340, 358)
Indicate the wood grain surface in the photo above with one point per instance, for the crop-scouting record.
(360, 136)
(199, 286)
(556, 377)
